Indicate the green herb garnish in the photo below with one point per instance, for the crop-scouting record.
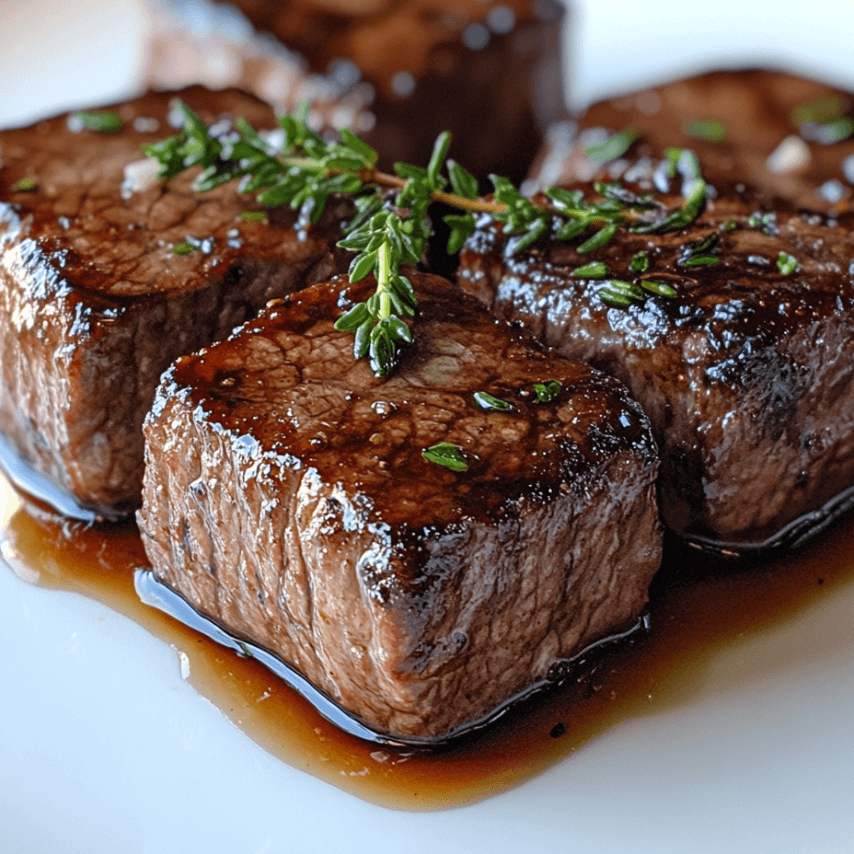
(102, 121)
(620, 293)
(787, 264)
(695, 254)
(546, 392)
(183, 248)
(446, 454)
(640, 263)
(487, 401)
(710, 130)
(699, 261)
(593, 270)
(613, 147)
(661, 289)
(819, 112)
(25, 185)
(390, 227)
(255, 216)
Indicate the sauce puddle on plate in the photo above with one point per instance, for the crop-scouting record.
(698, 608)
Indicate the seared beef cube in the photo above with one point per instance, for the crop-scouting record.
(287, 498)
(747, 374)
(397, 73)
(787, 136)
(96, 299)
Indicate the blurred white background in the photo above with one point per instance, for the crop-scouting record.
(59, 54)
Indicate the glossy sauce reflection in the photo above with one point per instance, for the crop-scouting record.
(698, 608)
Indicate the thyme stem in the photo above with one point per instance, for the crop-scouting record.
(383, 279)
(387, 233)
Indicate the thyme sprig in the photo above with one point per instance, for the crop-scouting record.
(390, 228)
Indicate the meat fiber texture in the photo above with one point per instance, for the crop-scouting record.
(94, 301)
(397, 74)
(788, 136)
(747, 374)
(286, 497)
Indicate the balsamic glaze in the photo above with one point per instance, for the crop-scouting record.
(698, 607)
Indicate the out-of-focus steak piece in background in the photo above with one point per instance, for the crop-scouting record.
(396, 73)
(784, 135)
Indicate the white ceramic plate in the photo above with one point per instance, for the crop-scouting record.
(105, 748)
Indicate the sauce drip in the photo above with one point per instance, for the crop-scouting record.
(698, 607)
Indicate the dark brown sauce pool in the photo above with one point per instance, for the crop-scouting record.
(698, 607)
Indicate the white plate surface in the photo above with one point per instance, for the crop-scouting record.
(105, 748)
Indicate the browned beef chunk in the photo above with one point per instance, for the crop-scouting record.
(786, 135)
(747, 374)
(286, 497)
(95, 302)
(398, 73)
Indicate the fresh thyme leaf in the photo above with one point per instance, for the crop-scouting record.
(699, 261)
(183, 248)
(661, 289)
(710, 130)
(546, 392)
(681, 217)
(446, 454)
(621, 292)
(359, 147)
(819, 111)
(613, 147)
(593, 270)
(640, 263)
(698, 247)
(535, 231)
(255, 216)
(25, 185)
(487, 401)
(461, 227)
(351, 320)
(615, 298)
(672, 156)
(102, 121)
(787, 264)
(361, 266)
(599, 239)
(437, 160)
(463, 182)
(572, 229)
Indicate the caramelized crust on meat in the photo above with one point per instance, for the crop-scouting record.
(95, 302)
(747, 374)
(287, 498)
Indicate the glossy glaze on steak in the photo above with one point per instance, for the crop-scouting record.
(94, 301)
(398, 74)
(787, 136)
(747, 374)
(286, 497)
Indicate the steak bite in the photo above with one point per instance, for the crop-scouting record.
(397, 74)
(287, 498)
(747, 373)
(107, 276)
(788, 136)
